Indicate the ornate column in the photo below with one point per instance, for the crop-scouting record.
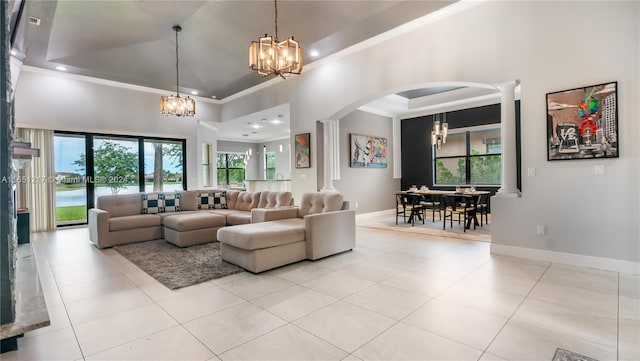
(508, 186)
(331, 154)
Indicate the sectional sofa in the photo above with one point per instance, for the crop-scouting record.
(322, 225)
(182, 218)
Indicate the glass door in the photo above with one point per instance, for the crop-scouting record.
(71, 185)
(115, 165)
(163, 168)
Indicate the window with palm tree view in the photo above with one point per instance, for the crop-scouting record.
(90, 165)
(470, 157)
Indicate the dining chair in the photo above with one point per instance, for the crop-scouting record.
(412, 203)
(401, 208)
(433, 204)
(462, 206)
(483, 208)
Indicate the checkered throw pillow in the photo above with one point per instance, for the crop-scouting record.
(160, 203)
(214, 200)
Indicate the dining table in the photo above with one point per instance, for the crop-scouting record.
(438, 192)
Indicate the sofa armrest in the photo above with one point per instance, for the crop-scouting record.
(98, 227)
(330, 233)
(259, 215)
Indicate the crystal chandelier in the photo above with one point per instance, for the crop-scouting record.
(269, 56)
(439, 132)
(175, 104)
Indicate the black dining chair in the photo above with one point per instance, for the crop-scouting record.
(416, 210)
(461, 206)
(433, 204)
(401, 208)
(483, 208)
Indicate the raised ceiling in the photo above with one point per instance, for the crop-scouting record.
(133, 41)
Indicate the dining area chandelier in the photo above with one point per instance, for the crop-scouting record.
(177, 105)
(269, 56)
(440, 129)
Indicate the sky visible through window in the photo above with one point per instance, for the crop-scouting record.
(68, 150)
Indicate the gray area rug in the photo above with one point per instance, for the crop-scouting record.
(564, 355)
(177, 267)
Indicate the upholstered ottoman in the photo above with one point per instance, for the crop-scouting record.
(192, 228)
(258, 247)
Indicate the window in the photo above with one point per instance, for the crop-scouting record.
(230, 169)
(270, 165)
(206, 164)
(470, 157)
(90, 165)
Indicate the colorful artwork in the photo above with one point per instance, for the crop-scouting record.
(303, 150)
(368, 152)
(582, 123)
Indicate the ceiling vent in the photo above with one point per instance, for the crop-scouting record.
(34, 20)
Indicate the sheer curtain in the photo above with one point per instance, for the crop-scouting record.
(36, 189)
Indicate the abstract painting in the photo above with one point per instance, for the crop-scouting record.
(303, 150)
(582, 123)
(368, 151)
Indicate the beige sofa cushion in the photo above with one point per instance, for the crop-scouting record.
(274, 199)
(232, 197)
(235, 219)
(319, 203)
(121, 204)
(263, 235)
(133, 222)
(188, 200)
(246, 201)
(191, 221)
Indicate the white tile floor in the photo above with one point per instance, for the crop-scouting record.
(397, 296)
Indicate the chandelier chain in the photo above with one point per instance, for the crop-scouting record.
(275, 4)
(177, 68)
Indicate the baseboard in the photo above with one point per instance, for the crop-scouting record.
(608, 264)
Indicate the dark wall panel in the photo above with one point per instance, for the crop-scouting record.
(416, 142)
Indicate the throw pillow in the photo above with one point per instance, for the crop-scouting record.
(172, 202)
(205, 201)
(220, 200)
(214, 200)
(152, 203)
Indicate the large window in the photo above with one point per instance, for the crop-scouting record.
(270, 165)
(90, 165)
(470, 157)
(230, 169)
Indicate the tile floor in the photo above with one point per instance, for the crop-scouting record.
(396, 296)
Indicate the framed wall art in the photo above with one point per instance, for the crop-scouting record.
(302, 149)
(582, 123)
(368, 151)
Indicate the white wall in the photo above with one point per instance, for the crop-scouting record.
(373, 189)
(49, 100)
(549, 46)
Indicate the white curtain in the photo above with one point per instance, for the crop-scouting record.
(36, 189)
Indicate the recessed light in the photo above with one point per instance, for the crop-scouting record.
(14, 53)
(61, 68)
(213, 96)
(276, 121)
(194, 93)
(314, 53)
(245, 135)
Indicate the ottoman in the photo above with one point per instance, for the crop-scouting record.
(259, 247)
(192, 228)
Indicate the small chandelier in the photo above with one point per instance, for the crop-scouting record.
(175, 104)
(439, 132)
(269, 56)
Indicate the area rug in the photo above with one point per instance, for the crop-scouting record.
(177, 267)
(387, 222)
(564, 355)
